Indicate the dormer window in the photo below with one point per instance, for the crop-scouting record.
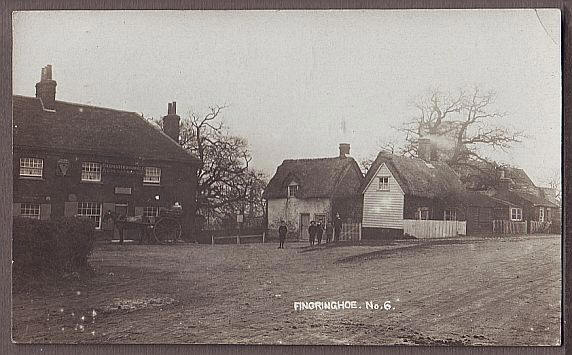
(292, 189)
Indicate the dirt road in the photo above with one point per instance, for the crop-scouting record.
(480, 291)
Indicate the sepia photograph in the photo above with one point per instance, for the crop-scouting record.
(287, 177)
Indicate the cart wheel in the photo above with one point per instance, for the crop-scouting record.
(167, 230)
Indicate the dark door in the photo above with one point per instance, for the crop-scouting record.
(304, 224)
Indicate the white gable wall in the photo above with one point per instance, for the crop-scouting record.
(383, 209)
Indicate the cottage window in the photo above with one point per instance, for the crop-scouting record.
(516, 214)
(384, 183)
(152, 175)
(422, 213)
(450, 215)
(292, 190)
(33, 167)
(92, 210)
(30, 210)
(541, 215)
(90, 171)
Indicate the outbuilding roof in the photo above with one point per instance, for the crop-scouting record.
(519, 196)
(322, 177)
(88, 129)
(416, 177)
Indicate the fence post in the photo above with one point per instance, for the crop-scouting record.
(263, 237)
(212, 239)
(237, 239)
(359, 231)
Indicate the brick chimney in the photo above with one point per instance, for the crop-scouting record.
(171, 125)
(424, 149)
(46, 88)
(344, 150)
(504, 182)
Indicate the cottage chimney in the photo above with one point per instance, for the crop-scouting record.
(46, 88)
(504, 182)
(344, 150)
(424, 149)
(171, 122)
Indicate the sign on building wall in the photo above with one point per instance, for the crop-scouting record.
(121, 169)
(123, 190)
(62, 167)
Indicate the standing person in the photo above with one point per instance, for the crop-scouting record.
(319, 232)
(312, 232)
(329, 232)
(282, 231)
(337, 227)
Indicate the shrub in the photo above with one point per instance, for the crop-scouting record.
(60, 245)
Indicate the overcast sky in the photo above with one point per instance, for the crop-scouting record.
(299, 82)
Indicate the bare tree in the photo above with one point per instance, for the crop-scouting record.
(461, 126)
(224, 178)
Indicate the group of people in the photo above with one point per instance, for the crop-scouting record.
(315, 230)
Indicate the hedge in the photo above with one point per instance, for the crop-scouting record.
(60, 245)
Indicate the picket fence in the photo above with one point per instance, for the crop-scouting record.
(434, 229)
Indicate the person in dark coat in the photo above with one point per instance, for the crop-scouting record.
(329, 232)
(282, 231)
(312, 231)
(337, 227)
(319, 232)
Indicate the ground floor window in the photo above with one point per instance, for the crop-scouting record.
(91, 210)
(150, 211)
(541, 215)
(422, 213)
(320, 218)
(515, 214)
(30, 210)
(450, 215)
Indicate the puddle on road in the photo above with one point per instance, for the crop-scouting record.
(125, 304)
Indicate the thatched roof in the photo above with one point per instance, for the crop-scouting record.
(416, 177)
(518, 176)
(322, 177)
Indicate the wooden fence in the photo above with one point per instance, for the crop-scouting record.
(350, 231)
(540, 227)
(503, 226)
(237, 238)
(434, 229)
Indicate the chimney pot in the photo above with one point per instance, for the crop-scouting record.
(171, 125)
(424, 149)
(46, 88)
(344, 150)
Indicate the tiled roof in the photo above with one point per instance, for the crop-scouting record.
(82, 128)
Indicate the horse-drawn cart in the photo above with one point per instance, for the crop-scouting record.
(161, 229)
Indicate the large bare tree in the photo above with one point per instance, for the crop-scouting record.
(226, 184)
(463, 126)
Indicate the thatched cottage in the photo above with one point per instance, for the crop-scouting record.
(304, 190)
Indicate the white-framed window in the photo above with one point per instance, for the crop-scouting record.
(150, 211)
(541, 215)
(292, 190)
(450, 215)
(30, 210)
(422, 213)
(152, 175)
(91, 210)
(90, 171)
(33, 167)
(383, 183)
(515, 214)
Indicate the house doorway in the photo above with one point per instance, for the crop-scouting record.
(304, 224)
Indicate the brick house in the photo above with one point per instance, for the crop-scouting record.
(73, 159)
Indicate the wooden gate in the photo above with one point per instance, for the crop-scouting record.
(350, 231)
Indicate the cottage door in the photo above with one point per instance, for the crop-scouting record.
(304, 224)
